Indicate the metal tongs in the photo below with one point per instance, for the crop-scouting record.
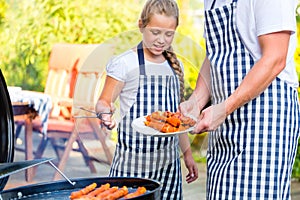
(97, 115)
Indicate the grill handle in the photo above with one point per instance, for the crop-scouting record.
(72, 183)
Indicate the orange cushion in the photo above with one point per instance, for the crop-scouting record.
(57, 125)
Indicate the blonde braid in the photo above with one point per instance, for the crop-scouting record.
(172, 58)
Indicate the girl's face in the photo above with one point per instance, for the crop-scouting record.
(158, 36)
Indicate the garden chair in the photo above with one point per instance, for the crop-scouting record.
(89, 81)
(63, 65)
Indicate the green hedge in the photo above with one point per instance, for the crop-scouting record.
(31, 27)
(296, 168)
(27, 38)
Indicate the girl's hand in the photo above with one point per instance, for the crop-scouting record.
(211, 118)
(106, 120)
(192, 168)
(189, 108)
(105, 113)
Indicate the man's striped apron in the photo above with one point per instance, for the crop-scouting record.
(250, 156)
(138, 155)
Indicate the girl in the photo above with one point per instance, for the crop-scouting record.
(148, 78)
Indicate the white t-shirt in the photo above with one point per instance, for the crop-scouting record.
(125, 68)
(259, 17)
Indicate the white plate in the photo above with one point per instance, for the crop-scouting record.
(139, 125)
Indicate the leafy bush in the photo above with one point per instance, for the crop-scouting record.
(296, 168)
(27, 39)
(3, 7)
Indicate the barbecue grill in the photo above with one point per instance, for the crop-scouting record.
(58, 190)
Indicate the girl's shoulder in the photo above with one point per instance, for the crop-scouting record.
(122, 64)
(124, 57)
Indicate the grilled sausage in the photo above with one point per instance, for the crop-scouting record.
(82, 192)
(138, 192)
(107, 192)
(118, 194)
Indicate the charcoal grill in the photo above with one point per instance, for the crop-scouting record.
(61, 190)
(58, 190)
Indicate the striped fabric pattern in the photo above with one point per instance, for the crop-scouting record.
(251, 154)
(58, 83)
(145, 156)
(88, 88)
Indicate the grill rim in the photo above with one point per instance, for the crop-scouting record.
(153, 187)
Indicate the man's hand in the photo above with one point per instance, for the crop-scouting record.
(211, 118)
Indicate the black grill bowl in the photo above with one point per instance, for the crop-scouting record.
(6, 128)
(61, 190)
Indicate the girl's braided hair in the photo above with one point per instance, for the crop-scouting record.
(168, 8)
(172, 58)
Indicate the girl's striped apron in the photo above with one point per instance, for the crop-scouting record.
(138, 155)
(250, 156)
